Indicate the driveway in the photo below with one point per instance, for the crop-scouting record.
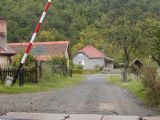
(93, 96)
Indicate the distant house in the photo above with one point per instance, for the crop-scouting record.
(45, 51)
(89, 57)
(5, 51)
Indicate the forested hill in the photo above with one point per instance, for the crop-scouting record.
(80, 21)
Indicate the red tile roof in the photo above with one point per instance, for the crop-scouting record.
(43, 50)
(92, 52)
(5, 50)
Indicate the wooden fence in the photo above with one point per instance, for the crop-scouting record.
(30, 75)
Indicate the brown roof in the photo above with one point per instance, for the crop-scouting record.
(92, 52)
(43, 50)
(136, 61)
(5, 50)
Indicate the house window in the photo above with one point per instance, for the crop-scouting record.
(81, 62)
(94, 62)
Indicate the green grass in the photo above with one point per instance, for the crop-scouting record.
(47, 83)
(134, 86)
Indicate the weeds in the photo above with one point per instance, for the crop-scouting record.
(151, 81)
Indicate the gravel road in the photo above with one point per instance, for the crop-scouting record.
(93, 96)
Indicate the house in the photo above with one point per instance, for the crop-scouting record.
(89, 57)
(45, 51)
(5, 51)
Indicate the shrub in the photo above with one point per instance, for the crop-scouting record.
(80, 67)
(149, 76)
(77, 69)
(151, 80)
(98, 68)
(59, 65)
(30, 62)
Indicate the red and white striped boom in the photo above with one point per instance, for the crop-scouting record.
(29, 47)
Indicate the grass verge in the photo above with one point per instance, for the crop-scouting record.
(134, 86)
(53, 82)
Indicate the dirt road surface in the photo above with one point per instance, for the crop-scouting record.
(93, 96)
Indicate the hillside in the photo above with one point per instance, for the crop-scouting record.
(80, 21)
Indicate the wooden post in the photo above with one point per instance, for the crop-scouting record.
(36, 75)
(21, 77)
(41, 69)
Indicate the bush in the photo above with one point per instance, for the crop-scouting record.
(77, 69)
(98, 69)
(149, 76)
(30, 62)
(80, 67)
(59, 65)
(151, 80)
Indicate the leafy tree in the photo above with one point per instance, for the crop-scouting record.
(156, 48)
(77, 47)
(127, 37)
(151, 28)
(46, 36)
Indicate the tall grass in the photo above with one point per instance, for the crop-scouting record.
(134, 86)
(146, 89)
(151, 80)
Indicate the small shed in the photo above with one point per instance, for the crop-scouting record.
(137, 63)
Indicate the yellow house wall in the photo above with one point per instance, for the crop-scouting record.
(67, 57)
(4, 61)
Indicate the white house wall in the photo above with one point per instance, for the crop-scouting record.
(88, 63)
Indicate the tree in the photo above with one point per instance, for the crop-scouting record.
(46, 36)
(156, 48)
(151, 28)
(127, 37)
(85, 21)
(94, 36)
(77, 47)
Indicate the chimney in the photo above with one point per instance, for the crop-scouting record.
(3, 32)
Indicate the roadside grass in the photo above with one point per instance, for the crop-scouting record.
(134, 86)
(48, 83)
